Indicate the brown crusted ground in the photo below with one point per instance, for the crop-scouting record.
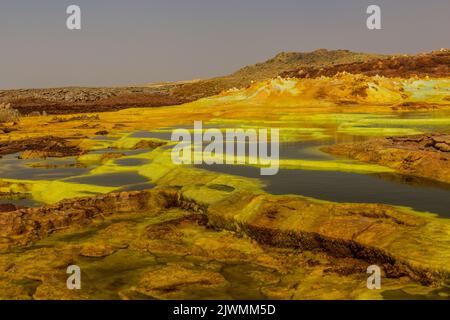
(48, 146)
(80, 100)
(425, 155)
(8, 207)
(434, 64)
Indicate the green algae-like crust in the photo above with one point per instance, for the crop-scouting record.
(55, 191)
(337, 165)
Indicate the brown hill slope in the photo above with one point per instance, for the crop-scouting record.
(271, 68)
(433, 64)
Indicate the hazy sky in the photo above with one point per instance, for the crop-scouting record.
(137, 41)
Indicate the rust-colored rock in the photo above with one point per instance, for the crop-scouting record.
(434, 64)
(8, 207)
(26, 225)
(420, 155)
(47, 146)
(148, 144)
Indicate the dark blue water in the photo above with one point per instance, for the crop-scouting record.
(116, 179)
(13, 168)
(130, 162)
(419, 194)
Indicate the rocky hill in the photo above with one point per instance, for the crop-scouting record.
(434, 64)
(76, 100)
(271, 68)
(313, 64)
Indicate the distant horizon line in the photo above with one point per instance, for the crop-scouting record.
(193, 80)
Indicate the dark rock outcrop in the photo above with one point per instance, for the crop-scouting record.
(434, 64)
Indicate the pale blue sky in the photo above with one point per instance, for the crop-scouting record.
(137, 41)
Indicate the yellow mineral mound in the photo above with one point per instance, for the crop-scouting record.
(342, 89)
